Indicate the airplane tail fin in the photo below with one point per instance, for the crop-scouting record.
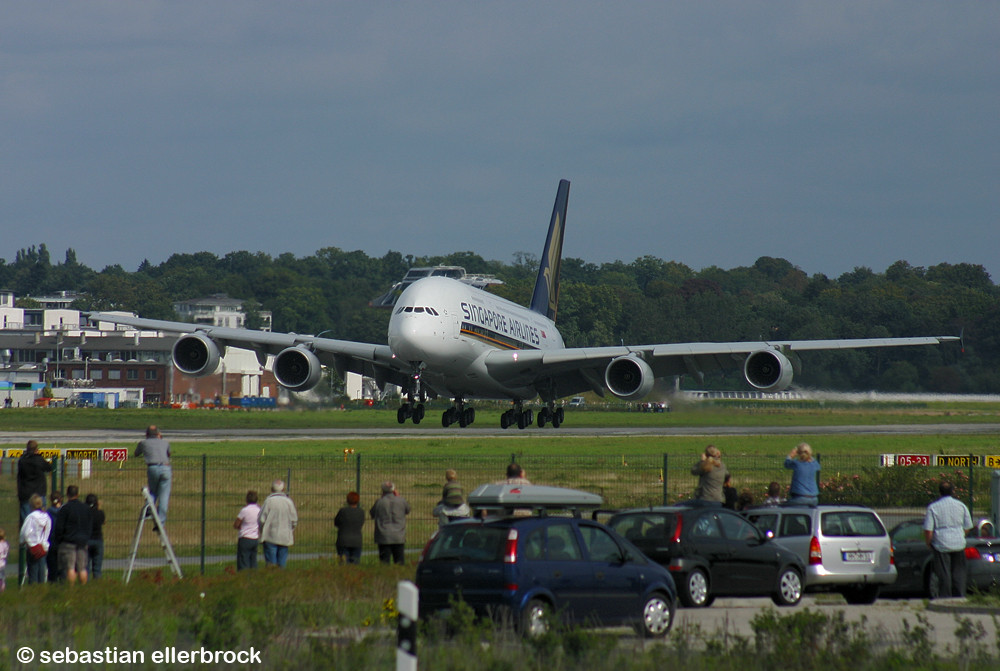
(545, 299)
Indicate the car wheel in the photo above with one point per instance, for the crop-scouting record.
(536, 619)
(932, 585)
(657, 616)
(789, 588)
(694, 590)
(862, 595)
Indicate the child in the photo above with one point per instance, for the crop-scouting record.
(452, 502)
(4, 549)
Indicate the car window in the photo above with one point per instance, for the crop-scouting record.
(469, 544)
(562, 543)
(643, 530)
(765, 523)
(909, 532)
(796, 525)
(534, 545)
(601, 547)
(737, 528)
(706, 527)
(849, 523)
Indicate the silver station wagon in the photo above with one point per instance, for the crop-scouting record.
(845, 548)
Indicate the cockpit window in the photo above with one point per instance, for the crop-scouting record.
(419, 310)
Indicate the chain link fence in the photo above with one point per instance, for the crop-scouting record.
(208, 491)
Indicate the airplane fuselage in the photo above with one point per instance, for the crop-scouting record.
(449, 328)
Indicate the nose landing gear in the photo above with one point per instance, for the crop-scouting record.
(412, 409)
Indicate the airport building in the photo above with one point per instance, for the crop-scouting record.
(103, 364)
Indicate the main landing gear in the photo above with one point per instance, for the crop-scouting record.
(523, 418)
(551, 414)
(459, 413)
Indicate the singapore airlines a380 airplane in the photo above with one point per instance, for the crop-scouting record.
(448, 339)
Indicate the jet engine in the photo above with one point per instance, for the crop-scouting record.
(629, 377)
(768, 370)
(196, 355)
(297, 368)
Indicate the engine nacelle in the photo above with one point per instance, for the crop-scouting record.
(196, 355)
(297, 369)
(629, 378)
(768, 370)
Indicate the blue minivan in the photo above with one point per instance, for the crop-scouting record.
(533, 569)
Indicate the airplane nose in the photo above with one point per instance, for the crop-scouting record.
(411, 338)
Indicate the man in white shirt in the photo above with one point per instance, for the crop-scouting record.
(945, 525)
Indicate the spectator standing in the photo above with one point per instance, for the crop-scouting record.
(389, 513)
(744, 500)
(249, 533)
(4, 549)
(35, 533)
(804, 489)
(773, 497)
(711, 474)
(515, 475)
(729, 493)
(277, 520)
(31, 470)
(52, 558)
(349, 521)
(73, 527)
(95, 546)
(156, 451)
(945, 525)
(452, 503)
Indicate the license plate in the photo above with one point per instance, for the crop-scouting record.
(858, 556)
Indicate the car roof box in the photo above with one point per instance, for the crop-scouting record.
(537, 498)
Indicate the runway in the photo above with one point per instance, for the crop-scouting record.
(119, 436)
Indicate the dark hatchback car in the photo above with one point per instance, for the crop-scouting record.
(915, 569)
(713, 552)
(532, 569)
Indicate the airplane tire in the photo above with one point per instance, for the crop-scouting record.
(471, 412)
(560, 415)
(403, 413)
(541, 417)
(555, 420)
(419, 411)
(505, 420)
(520, 420)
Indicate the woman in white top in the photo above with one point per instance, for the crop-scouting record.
(35, 532)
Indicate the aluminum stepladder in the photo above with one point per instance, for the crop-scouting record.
(149, 512)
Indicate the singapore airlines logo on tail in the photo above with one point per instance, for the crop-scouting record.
(545, 299)
(552, 267)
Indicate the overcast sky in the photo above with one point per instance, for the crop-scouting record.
(832, 134)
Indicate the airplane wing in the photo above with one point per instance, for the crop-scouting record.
(632, 369)
(371, 360)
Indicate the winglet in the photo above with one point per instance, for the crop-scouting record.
(545, 299)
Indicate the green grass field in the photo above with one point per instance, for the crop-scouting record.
(716, 413)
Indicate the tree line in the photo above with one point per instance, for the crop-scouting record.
(648, 300)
